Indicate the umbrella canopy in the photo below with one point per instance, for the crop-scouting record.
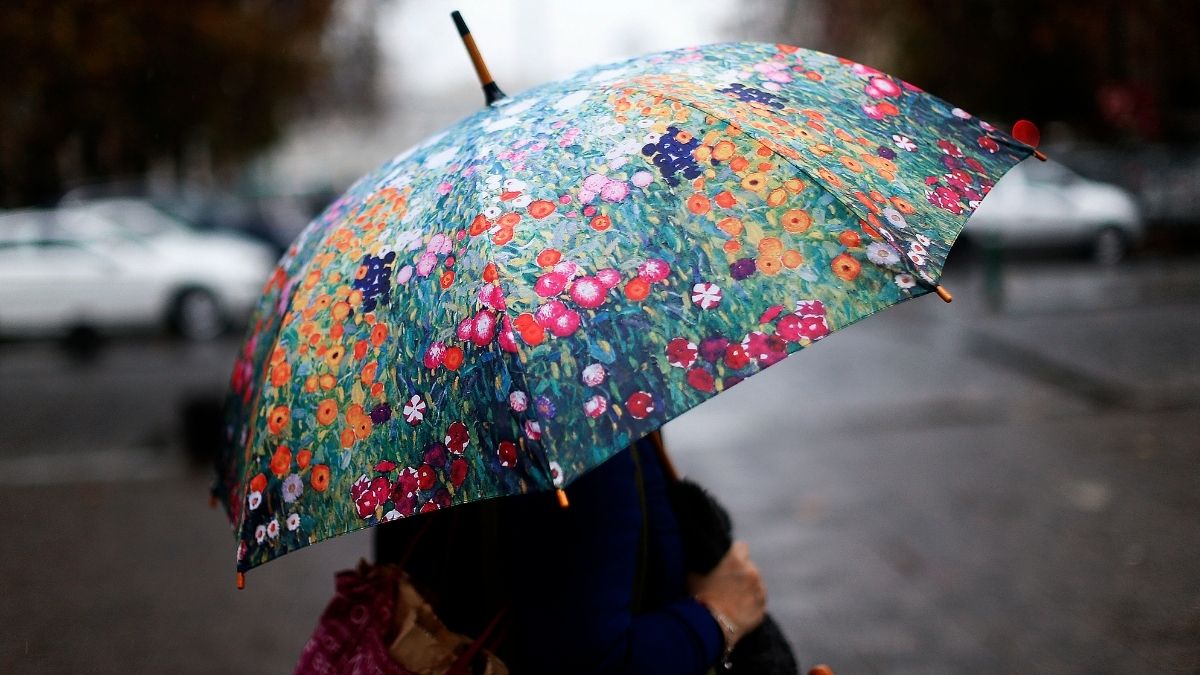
(511, 302)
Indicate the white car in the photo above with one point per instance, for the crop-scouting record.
(121, 263)
(1046, 204)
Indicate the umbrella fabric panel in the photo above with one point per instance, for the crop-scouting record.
(501, 308)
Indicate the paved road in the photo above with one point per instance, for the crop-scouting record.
(938, 489)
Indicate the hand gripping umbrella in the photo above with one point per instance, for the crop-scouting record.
(506, 305)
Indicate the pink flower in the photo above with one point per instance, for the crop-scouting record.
(593, 375)
(567, 268)
(810, 308)
(457, 437)
(681, 352)
(609, 277)
(771, 312)
(565, 324)
(595, 406)
(642, 179)
(614, 191)
(507, 339)
(885, 86)
(588, 292)
(595, 182)
(435, 354)
(533, 430)
(706, 295)
(484, 328)
(425, 263)
(492, 296)
(439, 244)
(547, 313)
(654, 270)
(465, 328)
(518, 401)
(550, 284)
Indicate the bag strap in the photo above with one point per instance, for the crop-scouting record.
(463, 663)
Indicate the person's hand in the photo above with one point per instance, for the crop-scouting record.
(735, 590)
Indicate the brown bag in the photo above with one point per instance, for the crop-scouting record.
(425, 646)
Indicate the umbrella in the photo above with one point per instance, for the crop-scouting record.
(509, 303)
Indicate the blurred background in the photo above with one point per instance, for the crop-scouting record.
(1008, 483)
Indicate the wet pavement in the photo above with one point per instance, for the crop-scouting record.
(959, 488)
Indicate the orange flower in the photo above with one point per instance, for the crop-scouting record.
(281, 461)
(319, 478)
(280, 415)
(310, 383)
(903, 206)
(769, 265)
(327, 411)
(333, 357)
(278, 355)
(739, 163)
(509, 219)
(754, 181)
(336, 331)
(453, 358)
(540, 208)
(725, 199)
(829, 177)
(723, 150)
(550, 257)
(369, 372)
(533, 334)
(776, 197)
(850, 239)
(303, 458)
(327, 381)
(341, 310)
(280, 374)
(792, 259)
(770, 246)
(698, 204)
(502, 236)
(601, 223)
(851, 163)
(258, 483)
(846, 267)
(730, 226)
(796, 221)
(360, 350)
(379, 334)
(347, 437)
(637, 289)
(479, 225)
(489, 272)
(732, 246)
(447, 279)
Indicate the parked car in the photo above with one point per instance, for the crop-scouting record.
(1043, 204)
(120, 263)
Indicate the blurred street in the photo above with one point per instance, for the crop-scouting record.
(941, 488)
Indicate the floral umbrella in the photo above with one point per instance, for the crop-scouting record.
(514, 300)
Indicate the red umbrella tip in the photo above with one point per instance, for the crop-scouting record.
(1027, 132)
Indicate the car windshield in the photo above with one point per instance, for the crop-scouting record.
(115, 219)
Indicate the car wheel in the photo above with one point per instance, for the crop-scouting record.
(1110, 246)
(196, 315)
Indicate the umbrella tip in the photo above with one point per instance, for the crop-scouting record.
(241, 581)
(1028, 133)
(943, 293)
(562, 498)
(491, 92)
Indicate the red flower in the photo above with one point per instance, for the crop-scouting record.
(654, 270)
(484, 328)
(507, 339)
(458, 471)
(425, 477)
(700, 379)
(813, 327)
(465, 327)
(736, 357)
(949, 148)
(385, 466)
(507, 453)
(457, 438)
(435, 354)
(405, 486)
(609, 277)
(946, 199)
(810, 308)
(988, 143)
(769, 315)
(681, 353)
(565, 324)
(364, 497)
(588, 292)
(640, 404)
(549, 312)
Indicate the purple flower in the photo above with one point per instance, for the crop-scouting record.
(435, 455)
(742, 269)
(545, 407)
(886, 153)
(381, 413)
(713, 349)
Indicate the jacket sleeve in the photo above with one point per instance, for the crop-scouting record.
(581, 618)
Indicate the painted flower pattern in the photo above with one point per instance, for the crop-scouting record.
(506, 305)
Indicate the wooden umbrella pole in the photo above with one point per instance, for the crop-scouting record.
(663, 458)
(491, 92)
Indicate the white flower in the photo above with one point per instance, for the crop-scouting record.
(961, 114)
(904, 142)
(882, 254)
(917, 248)
(905, 281)
(273, 528)
(254, 499)
(293, 522)
(293, 487)
(916, 258)
(533, 430)
(492, 212)
(391, 515)
(556, 475)
(414, 410)
(706, 295)
(260, 534)
(894, 218)
(518, 401)
(241, 550)
(593, 375)
(522, 201)
(924, 241)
